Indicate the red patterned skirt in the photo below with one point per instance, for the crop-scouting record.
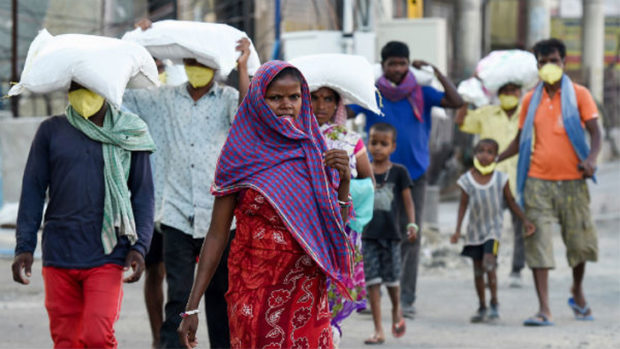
(277, 296)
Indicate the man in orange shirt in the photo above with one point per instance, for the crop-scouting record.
(551, 182)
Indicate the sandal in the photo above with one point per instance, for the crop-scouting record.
(580, 313)
(374, 340)
(538, 320)
(398, 330)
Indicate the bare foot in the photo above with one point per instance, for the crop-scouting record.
(377, 338)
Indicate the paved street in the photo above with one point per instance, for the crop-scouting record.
(446, 296)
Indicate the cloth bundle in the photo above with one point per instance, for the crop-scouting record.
(104, 65)
(499, 68)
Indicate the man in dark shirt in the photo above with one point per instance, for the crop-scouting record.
(94, 161)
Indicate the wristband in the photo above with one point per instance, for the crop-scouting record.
(414, 226)
(188, 313)
(347, 203)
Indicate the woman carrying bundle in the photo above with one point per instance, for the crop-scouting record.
(330, 113)
(289, 195)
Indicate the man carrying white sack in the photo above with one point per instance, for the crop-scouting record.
(192, 120)
(95, 162)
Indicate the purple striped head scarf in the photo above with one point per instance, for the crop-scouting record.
(284, 162)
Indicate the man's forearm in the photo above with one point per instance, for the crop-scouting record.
(512, 150)
(453, 98)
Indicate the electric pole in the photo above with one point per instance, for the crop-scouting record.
(14, 76)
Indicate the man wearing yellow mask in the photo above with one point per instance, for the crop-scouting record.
(554, 161)
(190, 123)
(94, 163)
(500, 123)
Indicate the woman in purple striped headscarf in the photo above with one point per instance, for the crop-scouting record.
(289, 195)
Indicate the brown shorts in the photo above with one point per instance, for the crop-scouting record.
(564, 202)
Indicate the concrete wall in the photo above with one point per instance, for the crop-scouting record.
(15, 138)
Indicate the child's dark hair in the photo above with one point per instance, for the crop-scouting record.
(489, 141)
(394, 49)
(547, 47)
(288, 71)
(384, 127)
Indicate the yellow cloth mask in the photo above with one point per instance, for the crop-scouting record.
(85, 102)
(199, 76)
(484, 170)
(508, 102)
(550, 73)
(163, 77)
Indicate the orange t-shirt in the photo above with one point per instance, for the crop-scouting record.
(553, 156)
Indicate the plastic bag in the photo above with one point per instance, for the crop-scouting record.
(499, 68)
(349, 75)
(363, 196)
(473, 92)
(212, 44)
(104, 65)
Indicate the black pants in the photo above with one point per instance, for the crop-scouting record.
(180, 252)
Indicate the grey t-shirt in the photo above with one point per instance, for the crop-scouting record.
(486, 207)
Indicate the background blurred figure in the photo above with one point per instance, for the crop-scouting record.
(407, 106)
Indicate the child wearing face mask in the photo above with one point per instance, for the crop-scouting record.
(500, 123)
(486, 192)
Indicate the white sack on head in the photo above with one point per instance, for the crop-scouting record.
(472, 92)
(349, 75)
(104, 65)
(423, 76)
(212, 44)
(499, 68)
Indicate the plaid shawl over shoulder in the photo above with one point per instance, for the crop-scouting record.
(284, 162)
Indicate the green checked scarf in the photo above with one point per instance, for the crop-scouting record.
(121, 134)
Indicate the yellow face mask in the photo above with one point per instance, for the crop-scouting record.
(484, 170)
(550, 73)
(199, 76)
(508, 102)
(85, 102)
(163, 77)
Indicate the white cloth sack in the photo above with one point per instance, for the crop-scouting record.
(472, 92)
(508, 66)
(349, 75)
(212, 44)
(103, 65)
(423, 76)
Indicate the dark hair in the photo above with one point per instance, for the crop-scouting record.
(489, 141)
(394, 49)
(288, 71)
(336, 94)
(510, 84)
(548, 46)
(384, 127)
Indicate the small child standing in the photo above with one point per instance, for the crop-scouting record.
(381, 239)
(485, 191)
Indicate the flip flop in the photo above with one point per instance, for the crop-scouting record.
(538, 320)
(399, 329)
(374, 340)
(580, 313)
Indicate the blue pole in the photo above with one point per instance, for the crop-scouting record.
(276, 43)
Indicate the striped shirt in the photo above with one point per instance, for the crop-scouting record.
(486, 207)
